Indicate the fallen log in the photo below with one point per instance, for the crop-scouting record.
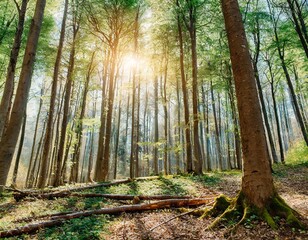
(63, 194)
(35, 193)
(57, 220)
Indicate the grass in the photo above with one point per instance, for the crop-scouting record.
(296, 158)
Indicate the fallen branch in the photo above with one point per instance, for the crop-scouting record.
(35, 193)
(63, 194)
(57, 220)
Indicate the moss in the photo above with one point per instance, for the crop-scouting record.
(268, 218)
(231, 209)
(221, 204)
(280, 208)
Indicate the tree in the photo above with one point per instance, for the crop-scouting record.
(258, 194)
(50, 117)
(6, 101)
(10, 136)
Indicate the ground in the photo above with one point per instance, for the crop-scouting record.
(290, 180)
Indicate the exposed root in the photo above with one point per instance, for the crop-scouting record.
(239, 210)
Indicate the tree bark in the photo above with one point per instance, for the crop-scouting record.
(257, 182)
(6, 101)
(188, 148)
(197, 156)
(10, 136)
(21, 143)
(53, 97)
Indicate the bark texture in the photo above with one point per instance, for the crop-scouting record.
(257, 182)
(10, 136)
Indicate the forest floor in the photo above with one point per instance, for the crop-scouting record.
(290, 179)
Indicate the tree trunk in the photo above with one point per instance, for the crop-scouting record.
(79, 125)
(257, 42)
(6, 101)
(217, 134)
(53, 97)
(298, 26)
(59, 157)
(156, 126)
(10, 136)
(31, 160)
(102, 129)
(193, 37)
(21, 143)
(257, 182)
(188, 147)
(276, 111)
(104, 170)
(281, 54)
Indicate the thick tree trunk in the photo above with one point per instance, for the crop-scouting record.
(6, 101)
(102, 128)
(257, 182)
(10, 136)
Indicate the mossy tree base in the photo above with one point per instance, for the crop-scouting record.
(238, 210)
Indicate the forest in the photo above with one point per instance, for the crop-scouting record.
(106, 102)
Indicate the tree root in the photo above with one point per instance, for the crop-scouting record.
(239, 210)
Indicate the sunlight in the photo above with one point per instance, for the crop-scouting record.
(130, 62)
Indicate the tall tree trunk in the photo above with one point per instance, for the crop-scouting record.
(276, 111)
(31, 160)
(257, 182)
(188, 148)
(117, 140)
(35, 166)
(217, 134)
(297, 26)
(10, 136)
(193, 37)
(281, 54)
(164, 96)
(104, 170)
(257, 42)
(6, 101)
(156, 126)
(59, 159)
(238, 150)
(53, 97)
(79, 125)
(101, 139)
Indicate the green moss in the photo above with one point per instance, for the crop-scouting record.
(268, 218)
(279, 206)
